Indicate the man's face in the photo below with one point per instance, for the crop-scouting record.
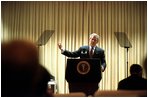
(93, 41)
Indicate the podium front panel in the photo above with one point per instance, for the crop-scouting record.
(83, 70)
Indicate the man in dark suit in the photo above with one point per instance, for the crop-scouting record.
(135, 81)
(89, 51)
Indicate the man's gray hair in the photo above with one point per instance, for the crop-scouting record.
(94, 34)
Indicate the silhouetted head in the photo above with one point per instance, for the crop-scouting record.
(19, 65)
(20, 52)
(136, 69)
(22, 75)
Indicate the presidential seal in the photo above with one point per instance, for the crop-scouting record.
(83, 67)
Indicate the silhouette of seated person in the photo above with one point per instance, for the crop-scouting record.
(135, 81)
(22, 75)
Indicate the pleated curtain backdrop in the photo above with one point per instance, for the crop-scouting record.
(72, 22)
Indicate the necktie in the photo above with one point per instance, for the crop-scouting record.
(91, 52)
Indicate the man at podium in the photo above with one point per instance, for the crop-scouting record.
(89, 51)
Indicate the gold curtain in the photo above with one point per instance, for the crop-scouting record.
(72, 22)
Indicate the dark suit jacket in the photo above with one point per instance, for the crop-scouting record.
(83, 52)
(133, 82)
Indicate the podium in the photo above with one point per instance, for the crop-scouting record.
(83, 70)
(83, 75)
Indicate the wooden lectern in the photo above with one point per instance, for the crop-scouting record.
(83, 75)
